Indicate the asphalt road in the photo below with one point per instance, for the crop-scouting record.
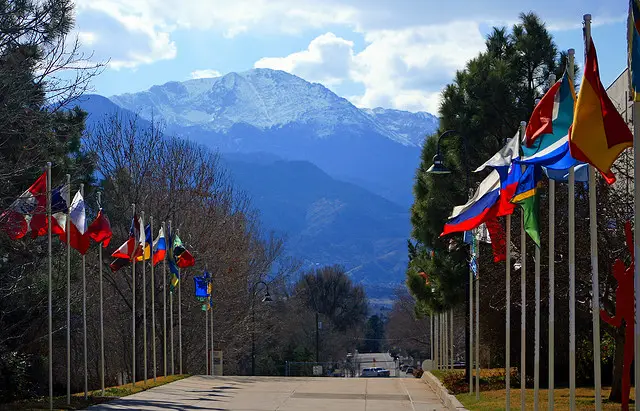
(283, 394)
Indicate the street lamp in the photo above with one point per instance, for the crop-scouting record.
(438, 168)
(266, 299)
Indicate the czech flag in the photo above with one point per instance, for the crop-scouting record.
(28, 212)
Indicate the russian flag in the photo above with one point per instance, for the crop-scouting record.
(478, 209)
(159, 247)
(510, 172)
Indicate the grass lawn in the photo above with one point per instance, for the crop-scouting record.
(95, 397)
(494, 400)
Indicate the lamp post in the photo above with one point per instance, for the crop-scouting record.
(267, 298)
(438, 168)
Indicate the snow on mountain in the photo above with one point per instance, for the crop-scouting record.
(270, 99)
(414, 127)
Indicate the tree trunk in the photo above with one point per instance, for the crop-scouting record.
(618, 357)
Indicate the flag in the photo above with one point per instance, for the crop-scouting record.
(552, 116)
(174, 271)
(498, 237)
(159, 247)
(59, 210)
(633, 49)
(182, 256)
(425, 276)
(100, 229)
(78, 238)
(598, 134)
(148, 243)
(503, 163)
(478, 209)
(27, 212)
(129, 249)
(527, 197)
(202, 286)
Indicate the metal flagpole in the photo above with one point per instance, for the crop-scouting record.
(636, 237)
(173, 370)
(179, 316)
(431, 340)
(451, 336)
(523, 299)
(144, 298)
(153, 304)
(164, 303)
(572, 267)
(101, 309)
(206, 339)
(50, 286)
(84, 317)
(211, 308)
(445, 341)
(536, 351)
(552, 256)
(133, 306)
(68, 234)
(437, 338)
(593, 228)
(478, 321)
(507, 354)
(180, 321)
(471, 320)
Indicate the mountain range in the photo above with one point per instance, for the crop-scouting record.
(335, 179)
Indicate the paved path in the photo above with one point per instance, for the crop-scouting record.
(283, 394)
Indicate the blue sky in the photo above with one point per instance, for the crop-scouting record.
(393, 54)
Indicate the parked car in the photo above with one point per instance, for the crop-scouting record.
(409, 370)
(403, 367)
(369, 372)
(382, 372)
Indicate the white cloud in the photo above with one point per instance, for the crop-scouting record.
(206, 73)
(327, 60)
(404, 69)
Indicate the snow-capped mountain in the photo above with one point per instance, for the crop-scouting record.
(268, 100)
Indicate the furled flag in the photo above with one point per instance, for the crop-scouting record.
(599, 134)
(528, 198)
(27, 212)
(78, 238)
(173, 268)
(478, 209)
(633, 49)
(100, 229)
(148, 243)
(159, 247)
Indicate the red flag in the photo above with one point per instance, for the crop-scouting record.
(118, 263)
(498, 239)
(541, 121)
(100, 229)
(28, 212)
(185, 259)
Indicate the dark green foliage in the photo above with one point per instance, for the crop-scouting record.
(373, 334)
(32, 132)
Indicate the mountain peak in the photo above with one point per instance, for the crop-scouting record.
(265, 99)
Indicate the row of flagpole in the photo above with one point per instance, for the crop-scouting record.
(441, 340)
(578, 140)
(67, 226)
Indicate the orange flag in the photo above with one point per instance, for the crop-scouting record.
(598, 134)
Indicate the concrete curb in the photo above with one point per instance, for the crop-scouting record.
(449, 400)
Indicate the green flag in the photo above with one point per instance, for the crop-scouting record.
(527, 198)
